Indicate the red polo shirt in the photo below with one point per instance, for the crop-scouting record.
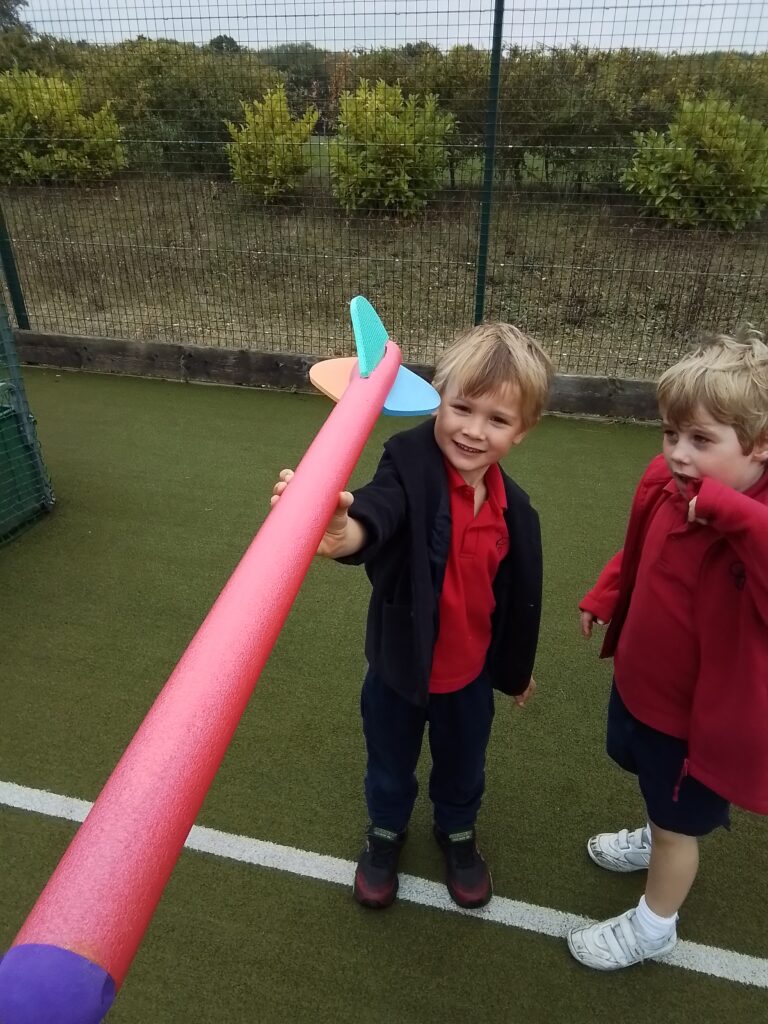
(478, 544)
(657, 658)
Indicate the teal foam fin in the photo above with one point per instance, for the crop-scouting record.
(410, 395)
(370, 335)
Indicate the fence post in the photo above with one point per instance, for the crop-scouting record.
(491, 117)
(8, 264)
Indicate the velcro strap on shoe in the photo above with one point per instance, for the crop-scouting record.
(384, 833)
(461, 837)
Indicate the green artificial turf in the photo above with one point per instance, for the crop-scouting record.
(160, 488)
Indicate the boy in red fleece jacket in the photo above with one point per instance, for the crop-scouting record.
(687, 603)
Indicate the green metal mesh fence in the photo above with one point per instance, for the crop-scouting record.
(25, 489)
(219, 173)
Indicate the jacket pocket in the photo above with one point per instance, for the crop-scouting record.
(398, 641)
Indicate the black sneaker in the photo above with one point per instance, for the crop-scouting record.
(466, 873)
(376, 879)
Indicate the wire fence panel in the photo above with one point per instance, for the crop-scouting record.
(231, 174)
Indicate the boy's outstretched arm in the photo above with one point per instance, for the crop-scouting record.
(343, 536)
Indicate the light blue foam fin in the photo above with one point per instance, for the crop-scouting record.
(411, 395)
(370, 335)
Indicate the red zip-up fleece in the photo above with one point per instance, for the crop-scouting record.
(727, 728)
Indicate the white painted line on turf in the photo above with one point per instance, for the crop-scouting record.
(718, 963)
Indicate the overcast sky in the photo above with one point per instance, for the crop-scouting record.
(340, 24)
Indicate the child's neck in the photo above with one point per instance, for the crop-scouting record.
(474, 479)
(477, 482)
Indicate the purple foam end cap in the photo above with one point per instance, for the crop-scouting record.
(49, 985)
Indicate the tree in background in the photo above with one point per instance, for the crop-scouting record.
(459, 79)
(303, 68)
(24, 50)
(9, 14)
(173, 99)
(224, 44)
(743, 79)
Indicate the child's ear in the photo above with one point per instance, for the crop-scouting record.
(760, 451)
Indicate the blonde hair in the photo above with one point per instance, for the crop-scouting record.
(727, 377)
(488, 357)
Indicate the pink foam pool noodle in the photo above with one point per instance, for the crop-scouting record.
(101, 897)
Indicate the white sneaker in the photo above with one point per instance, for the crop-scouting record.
(616, 943)
(621, 851)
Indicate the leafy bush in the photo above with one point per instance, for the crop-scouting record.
(268, 154)
(709, 167)
(391, 152)
(46, 137)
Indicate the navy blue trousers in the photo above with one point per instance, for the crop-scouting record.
(459, 727)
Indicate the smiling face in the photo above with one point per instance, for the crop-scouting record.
(473, 433)
(706, 448)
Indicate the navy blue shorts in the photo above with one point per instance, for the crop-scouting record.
(657, 760)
